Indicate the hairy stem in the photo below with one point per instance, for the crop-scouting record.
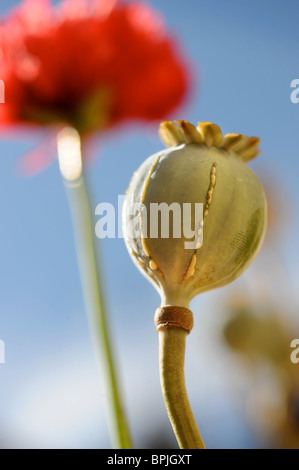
(172, 342)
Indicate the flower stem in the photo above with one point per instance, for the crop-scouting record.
(93, 291)
(172, 343)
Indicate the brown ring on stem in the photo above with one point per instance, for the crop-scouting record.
(180, 317)
(173, 325)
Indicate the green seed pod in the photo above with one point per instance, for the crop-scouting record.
(200, 166)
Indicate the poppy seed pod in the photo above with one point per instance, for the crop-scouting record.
(183, 251)
(194, 219)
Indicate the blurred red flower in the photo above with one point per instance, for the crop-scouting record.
(89, 64)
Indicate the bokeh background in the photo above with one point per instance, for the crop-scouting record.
(241, 382)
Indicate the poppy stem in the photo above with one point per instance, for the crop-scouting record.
(172, 343)
(91, 280)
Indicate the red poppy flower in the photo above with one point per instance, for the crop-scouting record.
(90, 64)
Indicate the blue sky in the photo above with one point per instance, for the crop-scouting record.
(245, 55)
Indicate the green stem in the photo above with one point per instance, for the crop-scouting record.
(172, 343)
(88, 260)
